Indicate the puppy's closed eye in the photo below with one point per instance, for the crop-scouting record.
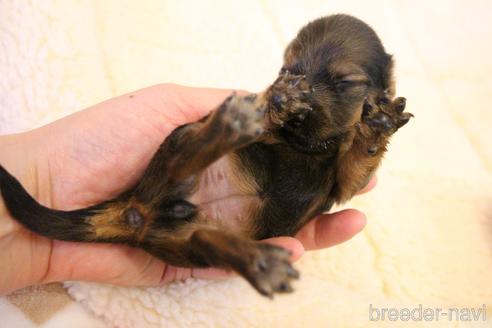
(354, 83)
(344, 85)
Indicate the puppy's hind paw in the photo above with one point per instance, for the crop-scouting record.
(270, 271)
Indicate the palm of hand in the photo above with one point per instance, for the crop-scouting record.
(98, 153)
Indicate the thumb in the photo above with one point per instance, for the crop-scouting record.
(289, 243)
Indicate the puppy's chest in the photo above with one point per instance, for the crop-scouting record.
(225, 195)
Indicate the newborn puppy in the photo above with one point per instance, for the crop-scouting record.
(257, 166)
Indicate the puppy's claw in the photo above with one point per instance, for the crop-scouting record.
(293, 272)
(400, 104)
(404, 118)
(284, 287)
(366, 108)
(296, 80)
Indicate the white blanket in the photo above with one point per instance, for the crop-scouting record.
(428, 241)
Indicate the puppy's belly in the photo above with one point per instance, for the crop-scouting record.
(221, 198)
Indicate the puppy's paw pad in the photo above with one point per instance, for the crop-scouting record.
(289, 92)
(270, 271)
(386, 116)
(242, 115)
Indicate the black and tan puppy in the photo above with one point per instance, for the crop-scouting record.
(257, 166)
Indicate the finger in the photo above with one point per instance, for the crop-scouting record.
(370, 185)
(291, 244)
(331, 229)
(190, 103)
(212, 273)
(200, 101)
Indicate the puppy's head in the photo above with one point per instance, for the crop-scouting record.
(343, 62)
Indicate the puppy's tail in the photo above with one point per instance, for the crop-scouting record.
(63, 225)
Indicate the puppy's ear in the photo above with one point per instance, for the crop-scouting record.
(388, 78)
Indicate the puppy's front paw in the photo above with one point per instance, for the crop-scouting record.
(242, 117)
(379, 121)
(289, 99)
(387, 116)
(269, 270)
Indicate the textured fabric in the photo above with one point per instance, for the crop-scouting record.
(429, 233)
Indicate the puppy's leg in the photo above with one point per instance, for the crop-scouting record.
(265, 266)
(193, 147)
(356, 165)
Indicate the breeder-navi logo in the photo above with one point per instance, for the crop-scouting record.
(427, 314)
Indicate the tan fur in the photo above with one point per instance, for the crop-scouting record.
(111, 223)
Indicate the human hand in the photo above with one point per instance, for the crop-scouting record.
(94, 155)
